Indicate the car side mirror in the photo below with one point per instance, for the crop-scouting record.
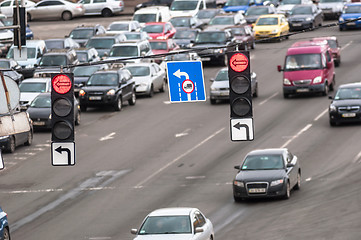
(238, 167)
(330, 97)
(212, 79)
(199, 230)
(279, 68)
(134, 231)
(290, 165)
(329, 65)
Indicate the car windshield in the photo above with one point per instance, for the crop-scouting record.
(180, 22)
(159, 45)
(230, 3)
(119, 27)
(332, 43)
(144, 18)
(178, 57)
(124, 51)
(256, 11)
(54, 44)
(4, 64)
(82, 56)
(185, 34)
(267, 21)
(41, 102)
(303, 62)
(222, 75)
(139, 71)
(330, 1)
(103, 79)
(132, 36)
(183, 5)
(352, 9)
(84, 71)
(81, 34)
(206, 14)
(100, 43)
(301, 11)
(222, 21)
(53, 60)
(210, 37)
(30, 53)
(166, 225)
(348, 93)
(153, 28)
(263, 162)
(293, 2)
(32, 87)
(238, 31)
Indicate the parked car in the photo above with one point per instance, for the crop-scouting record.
(219, 89)
(152, 14)
(124, 26)
(186, 7)
(267, 173)
(185, 36)
(335, 48)
(39, 111)
(81, 34)
(7, 6)
(108, 88)
(8, 21)
(240, 6)
(225, 20)
(332, 9)
(6, 39)
(254, 12)
(35, 50)
(244, 36)
(87, 55)
(32, 87)
(4, 229)
(163, 46)
(83, 73)
(186, 22)
(13, 69)
(104, 42)
(105, 8)
(9, 143)
(205, 15)
(153, 3)
(131, 49)
(273, 26)
(61, 43)
(305, 17)
(175, 223)
(148, 77)
(346, 105)
(159, 30)
(52, 9)
(351, 11)
(286, 5)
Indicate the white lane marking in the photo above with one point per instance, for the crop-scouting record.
(358, 156)
(308, 179)
(266, 100)
(38, 149)
(320, 115)
(42, 145)
(348, 44)
(107, 137)
(20, 158)
(230, 219)
(182, 134)
(296, 136)
(140, 185)
(166, 102)
(29, 153)
(195, 177)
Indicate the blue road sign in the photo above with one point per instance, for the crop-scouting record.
(186, 82)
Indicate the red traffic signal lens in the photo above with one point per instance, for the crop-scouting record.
(241, 106)
(61, 83)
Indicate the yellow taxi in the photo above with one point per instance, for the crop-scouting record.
(271, 25)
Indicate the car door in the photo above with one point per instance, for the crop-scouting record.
(292, 171)
(127, 84)
(156, 76)
(200, 222)
(6, 7)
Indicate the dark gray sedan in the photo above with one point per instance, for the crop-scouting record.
(267, 173)
(304, 17)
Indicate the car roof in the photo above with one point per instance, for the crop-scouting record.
(35, 80)
(155, 23)
(267, 151)
(271, 16)
(145, 64)
(325, 38)
(312, 42)
(151, 9)
(180, 211)
(348, 85)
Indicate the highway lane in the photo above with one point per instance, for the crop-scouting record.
(180, 155)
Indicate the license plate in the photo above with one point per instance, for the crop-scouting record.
(303, 90)
(38, 123)
(347, 115)
(297, 24)
(224, 93)
(206, 59)
(351, 23)
(95, 98)
(257, 190)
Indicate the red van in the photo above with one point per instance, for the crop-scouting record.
(309, 68)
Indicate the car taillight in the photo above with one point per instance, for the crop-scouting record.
(120, 3)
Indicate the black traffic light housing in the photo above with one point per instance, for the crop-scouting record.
(62, 107)
(240, 87)
(20, 40)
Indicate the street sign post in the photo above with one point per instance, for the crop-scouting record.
(63, 153)
(185, 81)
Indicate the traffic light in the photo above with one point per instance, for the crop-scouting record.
(62, 107)
(240, 89)
(20, 40)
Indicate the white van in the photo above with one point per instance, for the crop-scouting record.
(152, 14)
(180, 8)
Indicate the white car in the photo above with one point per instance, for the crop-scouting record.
(32, 87)
(176, 224)
(286, 5)
(152, 14)
(106, 8)
(181, 8)
(148, 77)
(7, 6)
(123, 26)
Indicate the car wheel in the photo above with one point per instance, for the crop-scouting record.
(151, 92)
(133, 99)
(213, 101)
(333, 123)
(298, 184)
(29, 140)
(77, 119)
(253, 45)
(118, 104)
(6, 234)
(107, 13)
(325, 89)
(164, 86)
(11, 145)
(66, 16)
(288, 191)
(28, 16)
(255, 94)
(83, 108)
(237, 199)
(332, 86)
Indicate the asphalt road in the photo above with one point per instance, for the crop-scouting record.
(156, 154)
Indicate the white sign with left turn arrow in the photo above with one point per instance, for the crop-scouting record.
(63, 153)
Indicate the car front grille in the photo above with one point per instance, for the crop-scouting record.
(257, 186)
(96, 93)
(348, 109)
(302, 82)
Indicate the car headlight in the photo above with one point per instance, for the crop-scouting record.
(139, 5)
(220, 50)
(275, 31)
(238, 183)
(82, 93)
(317, 79)
(50, 116)
(341, 19)
(4, 137)
(308, 19)
(286, 81)
(111, 92)
(162, 37)
(276, 182)
(332, 108)
(214, 89)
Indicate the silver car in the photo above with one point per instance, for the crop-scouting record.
(219, 89)
(106, 8)
(149, 77)
(50, 9)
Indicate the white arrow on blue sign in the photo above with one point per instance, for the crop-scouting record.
(186, 82)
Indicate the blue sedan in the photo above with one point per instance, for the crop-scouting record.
(4, 226)
(350, 12)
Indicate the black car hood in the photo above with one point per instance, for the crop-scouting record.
(98, 88)
(302, 16)
(260, 175)
(35, 113)
(251, 19)
(182, 42)
(347, 102)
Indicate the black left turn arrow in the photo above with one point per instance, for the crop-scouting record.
(61, 150)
